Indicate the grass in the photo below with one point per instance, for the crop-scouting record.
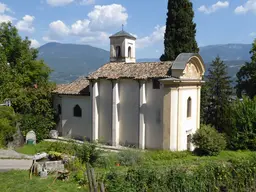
(27, 149)
(18, 181)
(46, 146)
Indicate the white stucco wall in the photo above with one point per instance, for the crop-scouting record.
(130, 43)
(76, 127)
(153, 116)
(129, 112)
(187, 125)
(105, 111)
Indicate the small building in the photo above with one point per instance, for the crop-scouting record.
(148, 105)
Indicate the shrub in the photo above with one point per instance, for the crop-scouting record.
(208, 141)
(106, 160)
(60, 147)
(54, 156)
(88, 152)
(129, 157)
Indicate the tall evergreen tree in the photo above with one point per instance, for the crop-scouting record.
(180, 30)
(215, 108)
(246, 77)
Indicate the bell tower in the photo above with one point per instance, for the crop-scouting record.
(122, 47)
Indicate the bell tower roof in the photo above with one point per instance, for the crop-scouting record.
(123, 33)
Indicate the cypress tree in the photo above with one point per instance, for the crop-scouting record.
(180, 30)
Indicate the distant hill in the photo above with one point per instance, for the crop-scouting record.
(227, 52)
(69, 61)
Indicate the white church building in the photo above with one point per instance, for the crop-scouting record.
(148, 105)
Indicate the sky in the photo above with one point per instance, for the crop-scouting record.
(93, 21)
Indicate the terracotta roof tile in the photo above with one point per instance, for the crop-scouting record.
(142, 70)
(77, 87)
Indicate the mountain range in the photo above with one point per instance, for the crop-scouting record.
(69, 61)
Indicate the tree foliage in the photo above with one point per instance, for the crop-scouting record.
(25, 80)
(216, 96)
(242, 132)
(246, 76)
(8, 121)
(180, 30)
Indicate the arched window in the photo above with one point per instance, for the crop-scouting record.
(189, 142)
(189, 103)
(129, 52)
(59, 109)
(77, 111)
(118, 51)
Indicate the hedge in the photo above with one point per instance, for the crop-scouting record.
(233, 175)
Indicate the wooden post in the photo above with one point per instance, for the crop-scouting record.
(89, 177)
(102, 188)
(94, 182)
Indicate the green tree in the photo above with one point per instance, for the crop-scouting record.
(246, 76)
(242, 132)
(26, 81)
(216, 96)
(8, 121)
(180, 30)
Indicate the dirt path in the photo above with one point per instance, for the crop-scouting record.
(11, 154)
(17, 164)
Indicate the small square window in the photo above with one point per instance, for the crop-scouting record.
(156, 84)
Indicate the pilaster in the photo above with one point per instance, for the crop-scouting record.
(115, 119)
(142, 131)
(95, 113)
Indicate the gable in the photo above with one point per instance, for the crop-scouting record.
(188, 66)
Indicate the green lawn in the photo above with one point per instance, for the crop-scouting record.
(44, 146)
(18, 181)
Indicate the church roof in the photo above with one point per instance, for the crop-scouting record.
(123, 34)
(143, 70)
(77, 87)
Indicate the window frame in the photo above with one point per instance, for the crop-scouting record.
(129, 52)
(77, 111)
(118, 51)
(156, 84)
(189, 107)
(59, 108)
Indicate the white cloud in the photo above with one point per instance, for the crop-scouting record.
(80, 27)
(87, 2)
(249, 6)
(95, 28)
(26, 24)
(34, 43)
(107, 17)
(3, 16)
(155, 37)
(57, 30)
(213, 8)
(253, 34)
(6, 18)
(4, 8)
(56, 3)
